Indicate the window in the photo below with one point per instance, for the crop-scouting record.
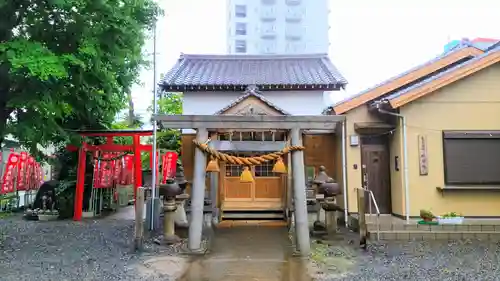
(265, 170)
(240, 11)
(241, 28)
(240, 46)
(470, 157)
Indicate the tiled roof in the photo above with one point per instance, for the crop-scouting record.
(438, 75)
(460, 46)
(252, 91)
(194, 71)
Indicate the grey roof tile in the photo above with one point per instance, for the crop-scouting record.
(244, 70)
(252, 90)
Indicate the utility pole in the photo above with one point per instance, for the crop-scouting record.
(155, 111)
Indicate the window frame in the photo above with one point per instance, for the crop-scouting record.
(462, 135)
(240, 11)
(241, 28)
(238, 47)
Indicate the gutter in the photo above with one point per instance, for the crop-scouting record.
(405, 159)
(344, 172)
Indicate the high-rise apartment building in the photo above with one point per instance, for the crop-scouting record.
(277, 26)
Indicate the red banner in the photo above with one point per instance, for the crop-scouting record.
(127, 170)
(97, 164)
(10, 173)
(21, 171)
(29, 173)
(105, 171)
(169, 165)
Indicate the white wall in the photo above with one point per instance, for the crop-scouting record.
(294, 102)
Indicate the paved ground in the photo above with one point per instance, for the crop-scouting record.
(249, 253)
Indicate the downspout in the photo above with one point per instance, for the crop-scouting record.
(405, 160)
(344, 173)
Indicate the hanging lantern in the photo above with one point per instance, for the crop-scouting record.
(279, 167)
(246, 176)
(213, 165)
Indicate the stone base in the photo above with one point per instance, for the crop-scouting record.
(47, 217)
(168, 240)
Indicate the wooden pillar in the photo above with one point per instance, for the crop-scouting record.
(299, 196)
(80, 183)
(197, 194)
(139, 220)
(137, 164)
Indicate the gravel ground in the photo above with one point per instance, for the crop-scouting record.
(417, 260)
(81, 251)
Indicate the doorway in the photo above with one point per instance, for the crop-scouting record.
(376, 171)
(265, 193)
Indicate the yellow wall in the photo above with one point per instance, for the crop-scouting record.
(353, 153)
(472, 103)
(397, 177)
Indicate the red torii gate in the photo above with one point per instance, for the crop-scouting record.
(109, 146)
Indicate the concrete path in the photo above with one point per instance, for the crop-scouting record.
(248, 254)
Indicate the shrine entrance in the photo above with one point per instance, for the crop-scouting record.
(265, 193)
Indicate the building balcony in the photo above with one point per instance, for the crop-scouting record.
(294, 15)
(268, 33)
(293, 2)
(294, 34)
(268, 14)
(268, 2)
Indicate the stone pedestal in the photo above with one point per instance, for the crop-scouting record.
(169, 208)
(180, 216)
(330, 208)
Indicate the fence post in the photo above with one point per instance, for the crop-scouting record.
(362, 216)
(139, 219)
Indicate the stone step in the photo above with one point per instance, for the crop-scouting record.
(409, 235)
(252, 215)
(431, 228)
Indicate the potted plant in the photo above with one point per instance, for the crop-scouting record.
(451, 218)
(426, 215)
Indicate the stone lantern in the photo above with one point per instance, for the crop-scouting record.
(169, 191)
(180, 200)
(330, 189)
(318, 180)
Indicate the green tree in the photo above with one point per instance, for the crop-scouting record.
(170, 104)
(68, 64)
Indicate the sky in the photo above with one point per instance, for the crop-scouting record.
(370, 40)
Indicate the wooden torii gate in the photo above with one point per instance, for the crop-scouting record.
(203, 123)
(109, 146)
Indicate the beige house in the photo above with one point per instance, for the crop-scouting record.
(428, 138)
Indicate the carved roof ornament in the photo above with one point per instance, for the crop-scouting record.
(252, 89)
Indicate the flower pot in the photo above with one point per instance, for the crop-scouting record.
(450, 220)
(427, 219)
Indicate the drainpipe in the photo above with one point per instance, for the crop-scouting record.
(344, 173)
(405, 160)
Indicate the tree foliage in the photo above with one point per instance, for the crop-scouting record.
(169, 104)
(68, 64)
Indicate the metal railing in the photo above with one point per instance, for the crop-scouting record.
(372, 200)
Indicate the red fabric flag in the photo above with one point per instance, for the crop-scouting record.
(10, 173)
(169, 162)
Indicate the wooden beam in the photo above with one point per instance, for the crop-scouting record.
(405, 79)
(257, 122)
